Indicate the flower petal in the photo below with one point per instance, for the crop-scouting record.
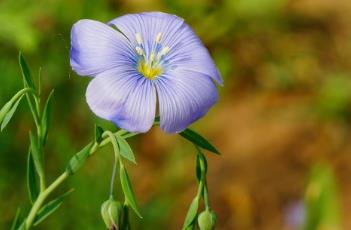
(184, 97)
(186, 49)
(97, 47)
(125, 98)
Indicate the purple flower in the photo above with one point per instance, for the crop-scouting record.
(139, 59)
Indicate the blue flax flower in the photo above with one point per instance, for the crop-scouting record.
(141, 63)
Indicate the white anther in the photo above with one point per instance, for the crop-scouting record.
(139, 50)
(158, 37)
(164, 51)
(152, 56)
(138, 38)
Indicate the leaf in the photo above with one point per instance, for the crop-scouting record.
(36, 154)
(32, 182)
(124, 149)
(128, 190)
(17, 220)
(198, 140)
(78, 159)
(27, 77)
(22, 226)
(98, 134)
(45, 120)
(192, 212)
(4, 110)
(201, 165)
(10, 114)
(50, 207)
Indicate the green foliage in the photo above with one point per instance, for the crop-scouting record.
(201, 166)
(36, 154)
(45, 120)
(78, 159)
(98, 134)
(198, 140)
(50, 207)
(27, 76)
(192, 213)
(125, 150)
(128, 190)
(17, 220)
(10, 113)
(321, 202)
(32, 181)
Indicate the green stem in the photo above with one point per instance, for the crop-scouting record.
(46, 192)
(112, 138)
(41, 198)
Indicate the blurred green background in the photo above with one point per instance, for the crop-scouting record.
(282, 123)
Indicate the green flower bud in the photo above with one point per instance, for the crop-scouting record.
(111, 212)
(207, 220)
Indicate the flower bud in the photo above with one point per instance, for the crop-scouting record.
(207, 220)
(111, 212)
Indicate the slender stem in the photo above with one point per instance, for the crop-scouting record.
(206, 199)
(46, 192)
(41, 198)
(113, 177)
(112, 139)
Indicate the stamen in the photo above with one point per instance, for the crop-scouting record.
(158, 37)
(138, 38)
(139, 50)
(152, 57)
(164, 51)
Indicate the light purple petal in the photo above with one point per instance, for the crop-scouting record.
(186, 50)
(126, 98)
(97, 47)
(184, 97)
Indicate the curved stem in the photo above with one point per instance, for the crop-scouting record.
(46, 192)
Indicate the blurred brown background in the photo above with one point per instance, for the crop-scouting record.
(285, 108)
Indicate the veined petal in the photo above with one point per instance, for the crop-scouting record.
(184, 97)
(126, 98)
(186, 51)
(97, 47)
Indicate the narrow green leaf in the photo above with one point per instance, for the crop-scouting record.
(125, 218)
(125, 149)
(45, 120)
(27, 77)
(98, 134)
(192, 212)
(22, 226)
(17, 220)
(201, 165)
(4, 110)
(10, 114)
(32, 181)
(50, 207)
(37, 157)
(128, 190)
(198, 140)
(78, 159)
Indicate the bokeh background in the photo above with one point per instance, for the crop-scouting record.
(283, 121)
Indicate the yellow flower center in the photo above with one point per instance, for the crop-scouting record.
(150, 65)
(150, 72)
